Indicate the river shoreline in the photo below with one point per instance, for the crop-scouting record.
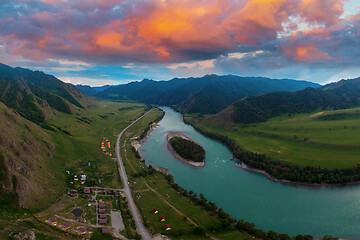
(177, 156)
(268, 176)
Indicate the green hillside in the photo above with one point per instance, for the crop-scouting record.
(35, 95)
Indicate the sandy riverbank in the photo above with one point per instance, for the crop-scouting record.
(138, 143)
(177, 156)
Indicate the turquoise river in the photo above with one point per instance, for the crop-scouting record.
(251, 196)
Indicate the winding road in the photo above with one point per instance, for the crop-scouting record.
(139, 224)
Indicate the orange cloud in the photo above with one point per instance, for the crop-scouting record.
(306, 53)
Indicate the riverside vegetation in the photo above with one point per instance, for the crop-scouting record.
(187, 149)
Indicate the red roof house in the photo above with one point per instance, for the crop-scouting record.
(155, 211)
(167, 228)
(162, 219)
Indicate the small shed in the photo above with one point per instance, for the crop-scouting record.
(155, 211)
(167, 228)
(162, 219)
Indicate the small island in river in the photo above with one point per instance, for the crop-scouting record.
(183, 148)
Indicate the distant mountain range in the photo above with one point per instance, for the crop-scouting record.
(34, 94)
(208, 94)
(91, 91)
(339, 95)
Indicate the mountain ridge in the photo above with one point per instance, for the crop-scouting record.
(338, 95)
(207, 94)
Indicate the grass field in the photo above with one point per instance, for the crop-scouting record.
(152, 191)
(303, 139)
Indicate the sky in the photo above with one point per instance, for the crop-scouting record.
(98, 42)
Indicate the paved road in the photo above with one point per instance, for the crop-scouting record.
(139, 224)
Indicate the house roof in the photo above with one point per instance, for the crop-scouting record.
(155, 211)
(102, 205)
(103, 221)
(162, 218)
(87, 190)
(81, 230)
(105, 230)
(167, 227)
(102, 215)
(65, 225)
(102, 210)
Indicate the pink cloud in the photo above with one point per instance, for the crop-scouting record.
(168, 30)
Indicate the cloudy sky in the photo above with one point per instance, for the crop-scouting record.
(99, 42)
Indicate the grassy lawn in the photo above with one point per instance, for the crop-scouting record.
(80, 152)
(301, 139)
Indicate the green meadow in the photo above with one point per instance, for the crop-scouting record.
(328, 139)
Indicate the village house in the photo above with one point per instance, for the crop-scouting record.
(81, 230)
(105, 231)
(155, 211)
(65, 226)
(52, 221)
(87, 190)
(162, 219)
(167, 228)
